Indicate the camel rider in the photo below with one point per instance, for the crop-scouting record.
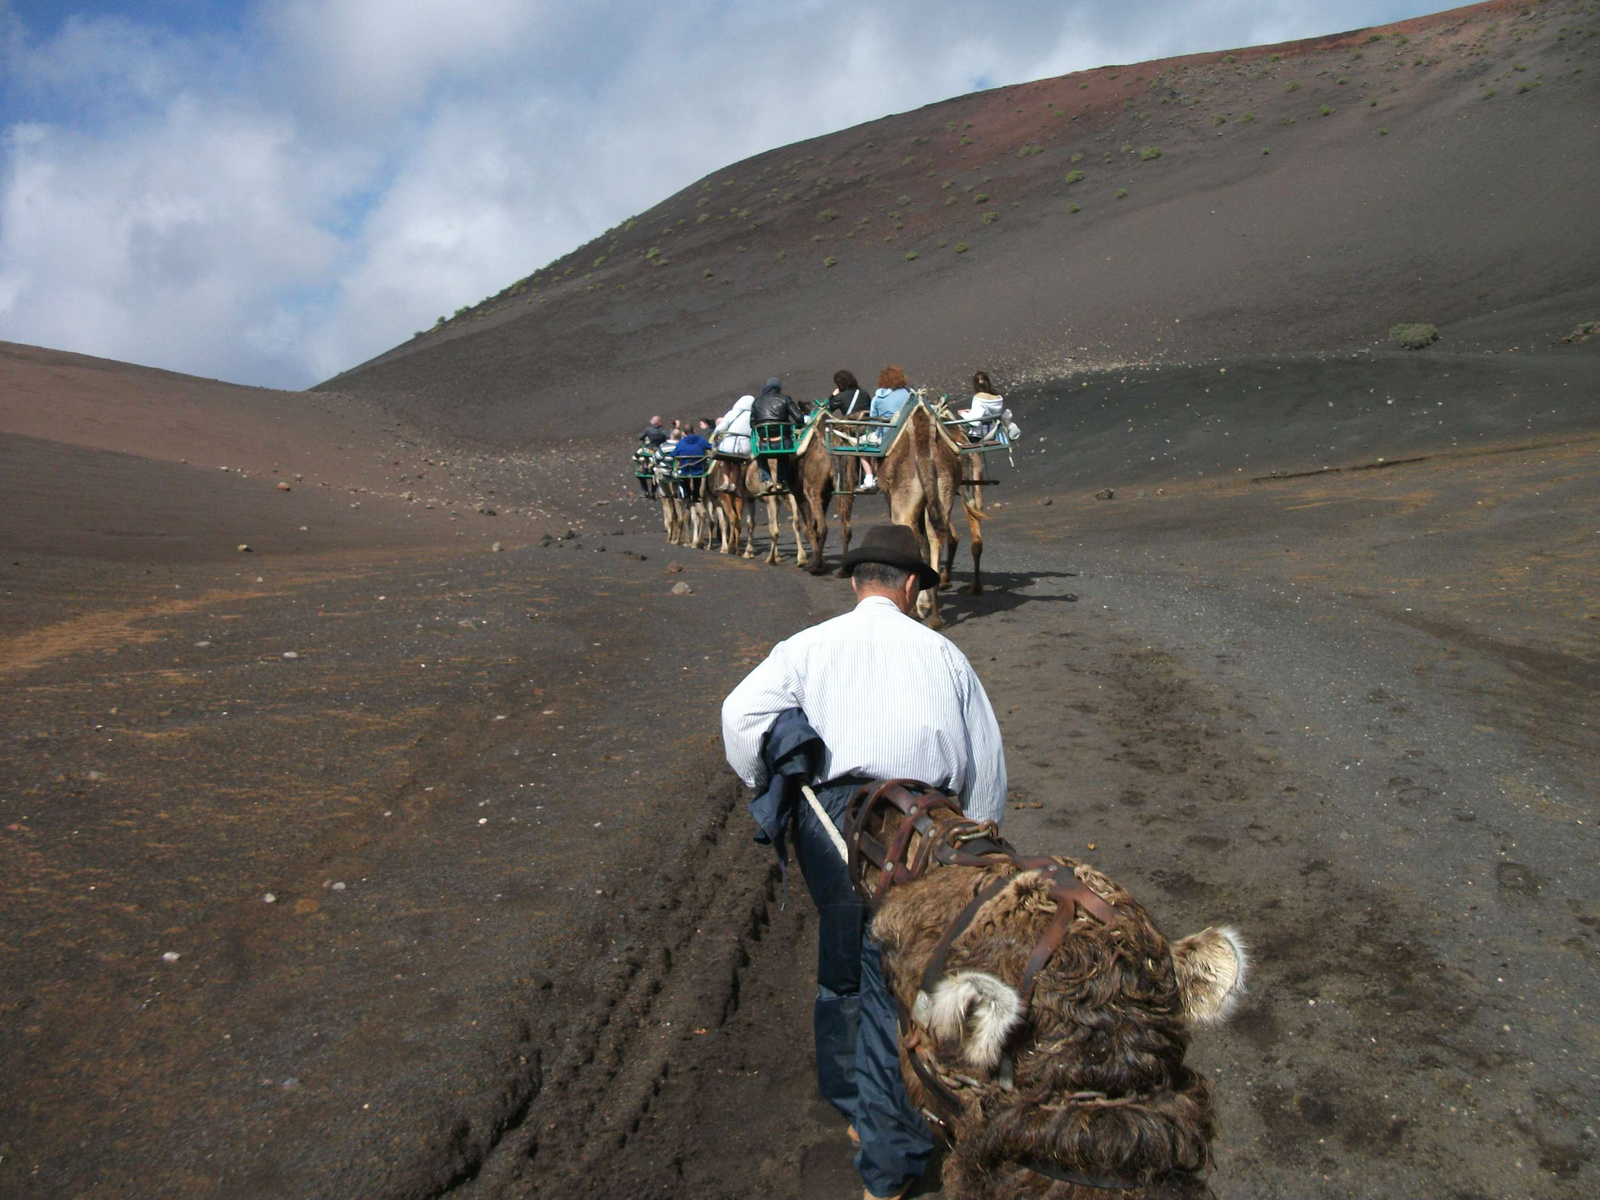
(772, 407)
(887, 698)
(654, 433)
(732, 435)
(693, 455)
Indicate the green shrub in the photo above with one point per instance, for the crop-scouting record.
(1074, 176)
(1219, 119)
(903, 201)
(1582, 333)
(828, 214)
(653, 253)
(1149, 152)
(1294, 86)
(1264, 150)
(1414, 337)
(816, 237)
(702, 218)
(1383, 133)
(1245, 118)
(829, 261)
(947, 185)
(981, 198)
(1073, 208)
(1325, 111)
(949, 200)
(990, 217)
(599, 262)
(1077, 156)
(709, 273)
(1122, 193)
(911, 255)
(961, 247)
(965, 140)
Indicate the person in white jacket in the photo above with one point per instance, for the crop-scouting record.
(732, 434)
(986, 407)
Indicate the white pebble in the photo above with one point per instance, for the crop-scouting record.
(171, 956)
(269, 898)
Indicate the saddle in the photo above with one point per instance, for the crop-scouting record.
(896, 832)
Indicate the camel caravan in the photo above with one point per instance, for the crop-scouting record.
(921, 455)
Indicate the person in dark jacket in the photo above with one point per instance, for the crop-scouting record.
(848, 400)
(772, 407)
(654, 433)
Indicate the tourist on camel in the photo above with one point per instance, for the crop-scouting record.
(848, 400)
(773, 407)
(872, 694)
(654, 434)
(986, 407)
(732, 434)
(693, 454)
(891, 396)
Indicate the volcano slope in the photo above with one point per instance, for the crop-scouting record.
(1299, 197)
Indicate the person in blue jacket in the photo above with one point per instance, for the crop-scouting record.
(693, 453)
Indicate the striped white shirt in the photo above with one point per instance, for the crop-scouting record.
(891, 699)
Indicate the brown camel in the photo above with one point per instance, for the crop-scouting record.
(1075, 1089)
(920, 476)
(819, 476)
(738, 485)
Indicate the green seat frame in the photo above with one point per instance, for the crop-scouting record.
(771, 439)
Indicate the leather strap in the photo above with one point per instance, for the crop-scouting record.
(941, 950)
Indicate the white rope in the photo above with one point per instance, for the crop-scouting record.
(827, 822)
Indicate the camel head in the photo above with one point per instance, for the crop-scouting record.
(1085, 1076)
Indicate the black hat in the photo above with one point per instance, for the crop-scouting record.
(895, 546)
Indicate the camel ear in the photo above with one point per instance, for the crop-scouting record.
(1211, 967)
(977, 1011)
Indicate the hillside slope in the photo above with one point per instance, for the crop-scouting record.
(1288, 198)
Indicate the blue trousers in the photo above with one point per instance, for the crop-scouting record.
(854, 1022)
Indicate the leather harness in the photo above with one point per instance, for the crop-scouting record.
(933, 831)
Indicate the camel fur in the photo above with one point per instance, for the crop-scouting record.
(1091, 1078)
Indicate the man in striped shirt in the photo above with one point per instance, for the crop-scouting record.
(890, 698)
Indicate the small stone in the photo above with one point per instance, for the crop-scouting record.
(1105, 494)
(243, 548)
(171, 956)
(303, 529)
(1071, 597)
(269, 898)
(291, 654)
(283, 487)
(674, 568)
(298, 478)
(95, 776)
(497, 547)
(682, 589)
(202, 645)
(339, 887)
(1046, 502)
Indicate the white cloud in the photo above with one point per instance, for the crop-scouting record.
(278, 205)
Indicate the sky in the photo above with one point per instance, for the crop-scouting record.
(272, 191)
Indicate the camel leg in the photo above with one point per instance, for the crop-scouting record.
(773, 556)
(847, 505)
(975, 526)
(794, 524)
(932, 550)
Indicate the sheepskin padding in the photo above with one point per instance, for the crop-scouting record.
(1099, 1083)
(1212, 967)
(979, 1012)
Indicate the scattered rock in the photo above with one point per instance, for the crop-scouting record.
(547, 540)
(1071, 597)
(1046, 502)
(269, 898)
(244, 549)
(682, 589)
(674, 568)
(291, 654)
(96, 776)
(1105, 494)
(171, 956)
(282, 486)
(202, 645)
(497, 547)
(338, 887)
